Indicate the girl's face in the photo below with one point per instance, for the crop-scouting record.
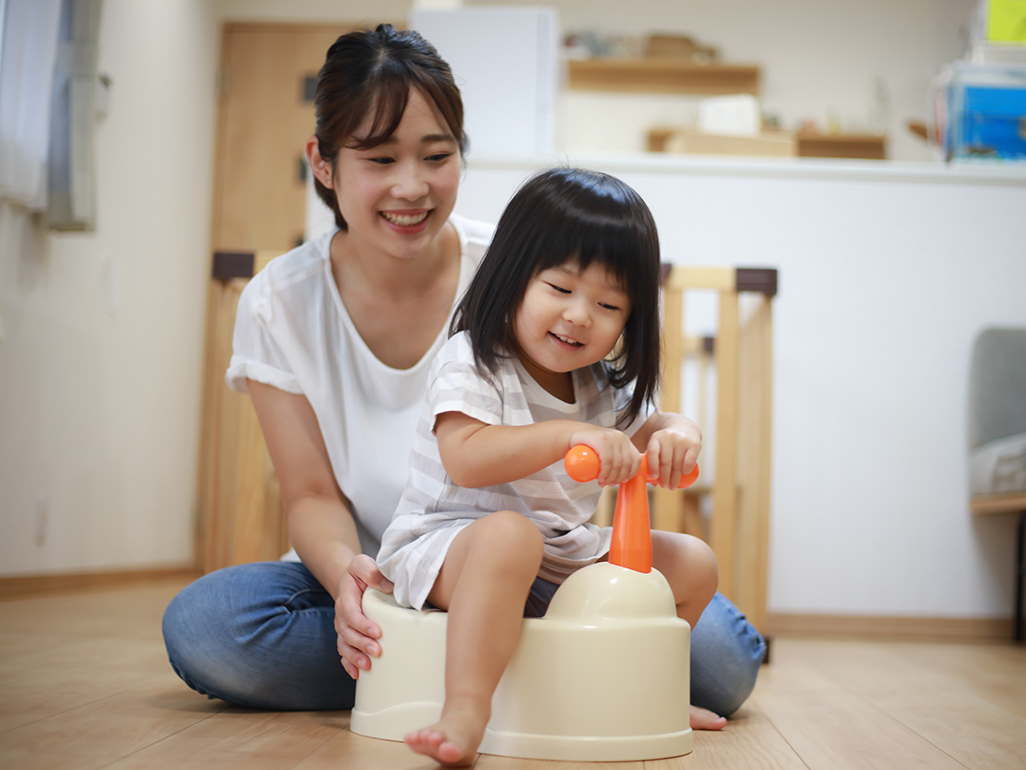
(397, 197)
(569, 318)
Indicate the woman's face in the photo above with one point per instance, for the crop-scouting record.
(397, 197)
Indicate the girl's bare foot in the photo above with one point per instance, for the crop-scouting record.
(453, 740)
(703, 719)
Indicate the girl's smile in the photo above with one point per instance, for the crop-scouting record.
(568, 319)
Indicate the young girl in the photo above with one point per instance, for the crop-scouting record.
(489, 524)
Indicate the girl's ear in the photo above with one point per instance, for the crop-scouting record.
(321, 168)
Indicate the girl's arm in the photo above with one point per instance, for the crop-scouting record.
(479, 455)
(321, 525)
(672, 443)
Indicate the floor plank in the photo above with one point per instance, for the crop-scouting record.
(935, 702)
(750, 742)
(831, 728)
(242, 738)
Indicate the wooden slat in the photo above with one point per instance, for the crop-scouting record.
(673, 348)
(999, 503)
(722, 527)
(755, 407)
(666, 503)
(249, 488)
(712, 278)
(221, 515)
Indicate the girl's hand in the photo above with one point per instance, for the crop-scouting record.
(673, 451)
(619, 459)
(357, 633)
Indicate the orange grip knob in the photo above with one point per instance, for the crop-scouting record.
(688, 478)
(582, 463)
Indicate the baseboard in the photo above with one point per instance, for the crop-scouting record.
(20, 585)
(918, 629)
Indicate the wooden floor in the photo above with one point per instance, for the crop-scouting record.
(84, 683)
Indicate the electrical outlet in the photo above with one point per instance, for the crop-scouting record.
(42, 519)
(110, 286)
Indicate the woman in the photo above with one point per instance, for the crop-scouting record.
(333, 342)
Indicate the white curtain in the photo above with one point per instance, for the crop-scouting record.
(28, 47)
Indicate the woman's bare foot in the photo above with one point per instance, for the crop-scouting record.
(453, 740)
(703, 719)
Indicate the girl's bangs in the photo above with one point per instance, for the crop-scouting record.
(612, 243)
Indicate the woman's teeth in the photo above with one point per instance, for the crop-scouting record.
(403, 220)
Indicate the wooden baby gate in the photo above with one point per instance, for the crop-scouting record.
(241, 515)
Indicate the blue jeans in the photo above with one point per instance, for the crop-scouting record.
(263, 636)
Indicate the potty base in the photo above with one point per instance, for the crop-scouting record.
(604, 676)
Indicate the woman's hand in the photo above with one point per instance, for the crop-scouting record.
(672, 451)
(619, 459)
(356, 632)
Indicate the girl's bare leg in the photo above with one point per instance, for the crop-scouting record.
(483, 585)
(689, 566)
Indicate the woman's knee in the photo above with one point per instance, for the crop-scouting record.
(244, 634)
(726, 654)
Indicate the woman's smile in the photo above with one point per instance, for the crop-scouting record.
(407, 222)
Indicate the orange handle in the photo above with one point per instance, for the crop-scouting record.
(582, 464)
(632, 537)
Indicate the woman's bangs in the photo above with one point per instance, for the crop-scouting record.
(391, 95)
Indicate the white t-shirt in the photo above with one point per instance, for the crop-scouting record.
(434, 510)
(293, 332)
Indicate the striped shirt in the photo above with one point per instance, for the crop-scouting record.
(433, 510)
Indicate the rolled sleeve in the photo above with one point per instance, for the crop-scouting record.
(256, 353)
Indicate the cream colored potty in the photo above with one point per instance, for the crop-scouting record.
(604, 676)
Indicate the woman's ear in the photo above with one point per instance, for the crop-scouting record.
(320, 167)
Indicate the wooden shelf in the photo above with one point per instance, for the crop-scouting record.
(663, 75)
(860, 146)
(807, 144)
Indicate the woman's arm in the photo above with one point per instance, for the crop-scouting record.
(479, 455)
(321, 525)
(672, 443)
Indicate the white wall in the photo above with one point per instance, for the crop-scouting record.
(885, 278)
(100, 367)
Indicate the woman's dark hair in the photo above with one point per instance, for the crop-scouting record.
(370, 73)
(561, 215)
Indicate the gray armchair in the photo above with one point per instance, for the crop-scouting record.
(997, 436)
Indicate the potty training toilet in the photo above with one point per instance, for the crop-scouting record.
(604, 676)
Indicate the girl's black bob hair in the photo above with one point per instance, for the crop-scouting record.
(581, 216)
